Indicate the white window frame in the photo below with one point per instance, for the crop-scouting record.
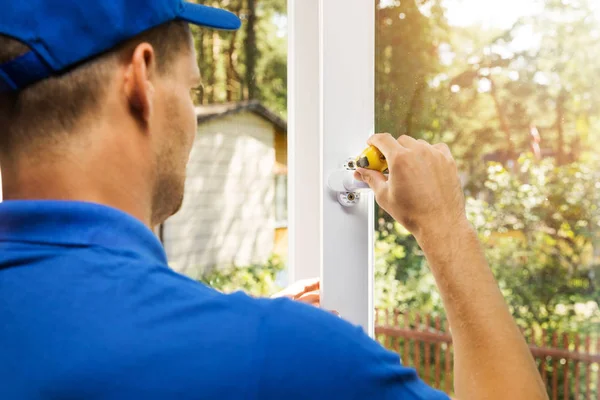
(331, 114)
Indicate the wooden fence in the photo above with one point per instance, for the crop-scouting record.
(568, 363)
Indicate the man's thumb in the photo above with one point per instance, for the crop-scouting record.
(374, 179)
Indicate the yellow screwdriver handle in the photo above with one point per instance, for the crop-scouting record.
(372, 158)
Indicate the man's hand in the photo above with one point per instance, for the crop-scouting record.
(423, 191)
(306, 291)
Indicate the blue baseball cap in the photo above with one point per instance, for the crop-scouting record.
(63, 33)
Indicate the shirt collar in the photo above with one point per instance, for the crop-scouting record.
(71, 223)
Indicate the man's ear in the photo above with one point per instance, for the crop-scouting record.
(138, 81)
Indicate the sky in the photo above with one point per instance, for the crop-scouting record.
(490, 13)
(495, 14)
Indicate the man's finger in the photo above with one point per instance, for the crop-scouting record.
(385, 143)
(359, 177)
(444, 149)
(375, 179)
(408, 142)
(312, 285)
(299, 287)
(310, 298)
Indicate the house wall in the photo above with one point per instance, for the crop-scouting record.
(281, 243)
(227, 216)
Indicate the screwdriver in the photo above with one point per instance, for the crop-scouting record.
(371, 158)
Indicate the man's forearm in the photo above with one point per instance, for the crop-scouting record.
(423, 192)
(492, 359)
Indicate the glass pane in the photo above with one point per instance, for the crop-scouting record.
(511, 87)
(231, 230)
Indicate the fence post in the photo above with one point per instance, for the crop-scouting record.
(447, 383)
(588, 368)
(396, 340)
(437, 354)
(543, 364)
(427, 349)
(566, 385)
(577, 383)
(598, 379)
(417, 343)
(406, 345)
(554, 368)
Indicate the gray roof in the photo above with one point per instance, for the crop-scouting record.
(206, 113)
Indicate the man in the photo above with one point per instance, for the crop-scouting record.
(97, 125)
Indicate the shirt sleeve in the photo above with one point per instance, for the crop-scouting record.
(308, 353)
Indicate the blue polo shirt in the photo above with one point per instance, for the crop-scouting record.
(89, 309)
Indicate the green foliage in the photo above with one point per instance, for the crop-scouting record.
(480, 90)
(540, 227)
(407, 58)
(402, 280)
(250, 64)
(256, 280)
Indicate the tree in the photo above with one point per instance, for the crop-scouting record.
(407, 42)
(234, 83)
(250, 63)
(251, 49)
(538, 227)
(532, 77)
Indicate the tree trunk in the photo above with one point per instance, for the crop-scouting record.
(212, 81)
(560, 116)
(251, 49)
(414, 105)
(207, 67)
(379, 94)
(232, 79)
(502, 119)
(201, 55)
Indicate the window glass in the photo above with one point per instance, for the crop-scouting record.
(231, 231)
(512, 88)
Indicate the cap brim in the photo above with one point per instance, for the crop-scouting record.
(211, 17)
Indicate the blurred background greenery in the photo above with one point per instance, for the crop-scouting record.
(511, 87)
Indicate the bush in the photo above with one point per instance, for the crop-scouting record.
(539, 225)
(256, 280)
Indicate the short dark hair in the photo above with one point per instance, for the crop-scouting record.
(38, 113)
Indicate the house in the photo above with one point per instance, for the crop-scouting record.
(235, 206)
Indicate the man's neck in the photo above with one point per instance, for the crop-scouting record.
(112, 183)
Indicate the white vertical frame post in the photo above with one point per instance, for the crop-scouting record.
(337, 37)
(347, 118)
(304, 142)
